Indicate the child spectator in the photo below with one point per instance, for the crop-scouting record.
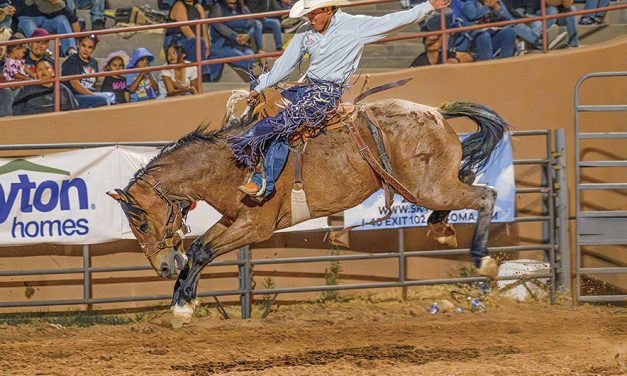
(178, 81)
(39, 99)
(84, 89)
(188, 10)
(142, 86)
(116, 84)
(14, 68)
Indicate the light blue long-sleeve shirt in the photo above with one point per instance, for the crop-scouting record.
(334, 55)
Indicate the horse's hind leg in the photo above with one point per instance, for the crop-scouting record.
(455, 195)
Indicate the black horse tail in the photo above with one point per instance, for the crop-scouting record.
(477, 148)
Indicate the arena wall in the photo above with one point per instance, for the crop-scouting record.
(531, 92)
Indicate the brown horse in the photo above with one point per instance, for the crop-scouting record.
(426, 156)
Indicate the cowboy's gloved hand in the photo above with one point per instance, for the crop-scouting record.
(439, 4)
(252, 96)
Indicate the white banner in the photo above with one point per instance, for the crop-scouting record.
(499, 173)
(61, 198)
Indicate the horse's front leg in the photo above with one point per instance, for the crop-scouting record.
(240, 234)
(199, 255)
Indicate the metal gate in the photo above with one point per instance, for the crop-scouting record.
(599, 227)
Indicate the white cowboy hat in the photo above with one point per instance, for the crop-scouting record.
(302, 7)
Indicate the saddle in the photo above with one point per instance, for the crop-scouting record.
(271, 103)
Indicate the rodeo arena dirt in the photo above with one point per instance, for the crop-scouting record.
(462, 214)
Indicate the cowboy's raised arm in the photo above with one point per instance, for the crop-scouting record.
(285, 64)
(374, 28)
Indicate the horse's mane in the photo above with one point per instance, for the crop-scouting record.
(199, 135)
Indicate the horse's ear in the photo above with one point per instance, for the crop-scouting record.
(118, 195)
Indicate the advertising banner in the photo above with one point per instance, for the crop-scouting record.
(499, 174)
(61, 198)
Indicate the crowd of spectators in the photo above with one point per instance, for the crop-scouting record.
(236, 38)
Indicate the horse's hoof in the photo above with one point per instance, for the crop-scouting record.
(181, 315)
(488, 267)
(195, 303)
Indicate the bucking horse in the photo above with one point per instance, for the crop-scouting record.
(425, 154)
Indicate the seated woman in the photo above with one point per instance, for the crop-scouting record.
(228, 39)
(178, 81)
(84, 89)
(39, 99)
(188, 10)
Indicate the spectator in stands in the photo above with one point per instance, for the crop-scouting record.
(97, 11)
(494, 42)
(30, 19)
(37, 51)
(184, 10)
(272, 24)
(555, 7)
(433, 54)
(178, 81)
(84, 89)
(142, 86)
(39, 99)
(6, 14)
(250, 29)
(14, 68)
(116, 84)
(226, 42)
(594, 18)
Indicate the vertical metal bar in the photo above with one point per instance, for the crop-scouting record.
(443, 37)
(402, 262)
(544, 36)
(199, 56)
(577, 192)
(245, 282)
(86, 276)
(551, 212)
(57, 75)
(562, 211)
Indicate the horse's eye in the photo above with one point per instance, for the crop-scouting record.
(143, 227)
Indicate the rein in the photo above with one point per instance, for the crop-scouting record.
(176, 214)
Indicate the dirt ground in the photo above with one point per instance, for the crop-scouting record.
(359, 337)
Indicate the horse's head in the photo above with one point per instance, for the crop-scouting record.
(158, 223)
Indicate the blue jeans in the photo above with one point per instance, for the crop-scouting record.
(273, 25)
(227, 51)
(97, 7)
(91, 101)
(57, 25)
(573, 39)
(275, 155)
(592, 4)
(189, 44)
(527, 34)
(495, 43)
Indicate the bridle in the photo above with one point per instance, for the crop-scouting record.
(177, 213)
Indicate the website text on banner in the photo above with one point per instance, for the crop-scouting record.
(61, 198)
(499, 173)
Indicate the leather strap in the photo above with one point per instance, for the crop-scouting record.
(377, 89)
(385, 179)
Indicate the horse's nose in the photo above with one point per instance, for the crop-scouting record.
(165, 270)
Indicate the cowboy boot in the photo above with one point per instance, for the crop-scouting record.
(250, 189)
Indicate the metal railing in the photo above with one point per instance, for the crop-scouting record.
(199, 63)
(598, 227)
(554, 239)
